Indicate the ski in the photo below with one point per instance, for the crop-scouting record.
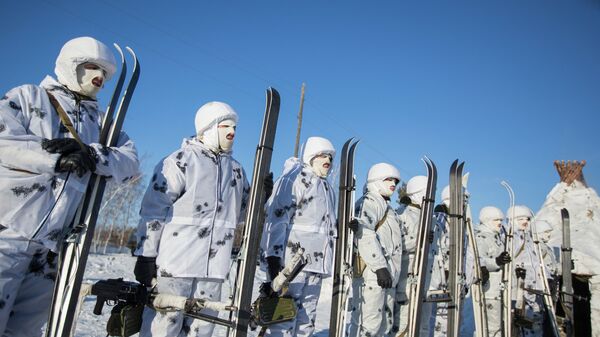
(342, 272)
(242, 292)
(74, 251)
(566, 297)
(477, 293)
(456, 250)
(507, 270)
(416, 292)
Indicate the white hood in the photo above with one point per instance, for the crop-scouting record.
(82, 50)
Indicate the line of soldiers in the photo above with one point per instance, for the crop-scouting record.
(197, 198)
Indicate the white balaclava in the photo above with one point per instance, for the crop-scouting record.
(378, 179)
(521, 216)
(415, 189)
(491, 217)
(71, 69)
(318, 154)
(215, 126)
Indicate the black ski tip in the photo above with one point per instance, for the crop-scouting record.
(564, 213)
(274, 93)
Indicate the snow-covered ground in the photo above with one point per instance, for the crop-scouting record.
(121, 265)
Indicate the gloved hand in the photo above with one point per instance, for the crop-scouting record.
(266, 290)
(268, 184)
(384, 278)
(485, 275)
(145, 270)
(274, 266)
(79, 161)
(503, 259)
(353, 225)
(61, 145)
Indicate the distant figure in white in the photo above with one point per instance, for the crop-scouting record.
(409, 218)
(301, 214)
(492, 257)
(377, 268)
(194, 202)
(526, 257)
(44, 172)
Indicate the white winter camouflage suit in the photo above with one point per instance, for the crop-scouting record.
(526, 256)
(37, 204)
(409, 219)
(194, 202)
(301, 213)
(490, 245)
(372, 308)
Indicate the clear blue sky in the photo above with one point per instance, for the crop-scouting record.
(507, 86)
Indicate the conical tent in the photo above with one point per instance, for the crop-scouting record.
(583, 205)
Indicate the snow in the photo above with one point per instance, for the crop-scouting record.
(116, 265)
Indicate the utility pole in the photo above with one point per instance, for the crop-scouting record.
(299, 121)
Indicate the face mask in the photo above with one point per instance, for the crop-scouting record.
(90, 78)
(226, 131)
(495, 225)
(522, 222)
(321, 165)
(545, 236)
(385, 187)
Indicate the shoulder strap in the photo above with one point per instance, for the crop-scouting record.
(382, 219)
(65, 119)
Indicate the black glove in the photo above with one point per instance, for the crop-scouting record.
(145, 270)
(60, 145)
(485, 275)
(79, 161)
(384, 278)
(268, 184)
(353, 225)
(503, 259)
(274, 266)
(266, 290)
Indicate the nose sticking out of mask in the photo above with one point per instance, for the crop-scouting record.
(85, 79)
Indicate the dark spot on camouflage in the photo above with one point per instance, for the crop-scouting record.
(164, 273)
(2, 127)
(175, 233)
(219, 209)
(293, 246)
(238, 173)
(212, 253)
(179, 155)
(206, 204)
(2, 304)
(160, 188)
(182, 167)
(210, 156)
(2, 227)
(37, 111)
(154, 177)
(233, 183)
(14, 105)
(198, 208)
(154, 226)
(204, 232)
(172, 320)
(54, 235)
(26, 191)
